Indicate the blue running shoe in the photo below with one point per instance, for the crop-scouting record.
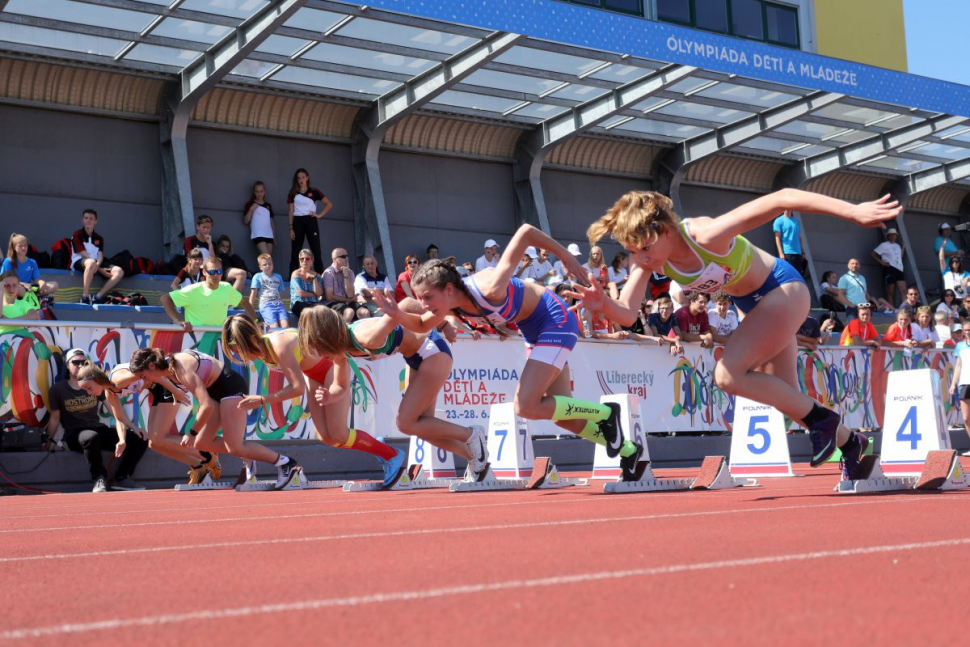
(393, 468)
(852, 453)
(822, 434)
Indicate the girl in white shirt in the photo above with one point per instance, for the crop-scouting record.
(924, 332)
(259, 217)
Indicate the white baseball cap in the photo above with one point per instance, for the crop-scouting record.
(73, 353)
(490, 243)
(945, 225)
(891, 230)
(531, 252)
(573, 249)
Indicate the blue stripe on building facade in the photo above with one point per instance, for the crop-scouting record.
(596, 29)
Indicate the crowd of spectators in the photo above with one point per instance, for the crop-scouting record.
(667, 315)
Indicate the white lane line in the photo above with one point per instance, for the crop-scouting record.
(430, 531)
(466, 589)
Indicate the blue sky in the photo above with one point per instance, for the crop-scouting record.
(937, 35)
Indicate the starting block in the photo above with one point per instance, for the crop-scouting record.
(513, 465)
(713, 475)
(428, 467)
(941, 471)
(545, 476)
(301, 482)
(206, 484)
(413, 478)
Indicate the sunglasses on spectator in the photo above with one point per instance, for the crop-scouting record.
(867, 306)
(78, 362)
(412, 262)
(214, 272)
(341, 256)
(306, 258)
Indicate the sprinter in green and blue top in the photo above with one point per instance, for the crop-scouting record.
(709, 254)
(428, 357)
(496, 297)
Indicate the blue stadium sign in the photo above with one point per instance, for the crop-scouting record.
(584, 27)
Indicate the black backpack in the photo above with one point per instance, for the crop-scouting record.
(61, 254)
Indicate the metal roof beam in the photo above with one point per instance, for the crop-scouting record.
(398, 18)
(362, 44)
(102, 32)
(915, 183)
(165, 12)
(816, 166)
(371, 229)
(533, 147)
(672, 167)
(195, 80)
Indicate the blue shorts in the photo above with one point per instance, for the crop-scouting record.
(551, 331)
(781, 273)
(433, 345)
(273, 312)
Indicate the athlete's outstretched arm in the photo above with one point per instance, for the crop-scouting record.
(493, 283)
(423, 323)
(761, 210)
(373, 332)
(624, 310)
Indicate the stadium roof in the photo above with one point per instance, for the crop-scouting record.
(543, 84)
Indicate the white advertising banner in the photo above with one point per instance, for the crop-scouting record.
(676, 393)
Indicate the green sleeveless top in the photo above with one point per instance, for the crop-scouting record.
(387, 349)
(718, 271)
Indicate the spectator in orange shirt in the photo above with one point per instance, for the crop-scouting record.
(860, 331)
(900, 334)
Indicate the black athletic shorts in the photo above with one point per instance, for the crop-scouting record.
(964, 391)
(229, 384)
(891, 275)
(160, 395)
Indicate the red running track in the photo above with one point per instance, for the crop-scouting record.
(790, 561)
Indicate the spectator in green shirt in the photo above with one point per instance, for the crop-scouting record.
(14, 308)
(206, 303)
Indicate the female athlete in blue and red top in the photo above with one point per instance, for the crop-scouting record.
(494, 296)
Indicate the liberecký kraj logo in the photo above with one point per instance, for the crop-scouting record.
(636, 382)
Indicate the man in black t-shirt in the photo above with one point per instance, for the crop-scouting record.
(74, 421)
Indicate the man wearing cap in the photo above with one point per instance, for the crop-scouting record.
(890, 254)
(956, 336)
(788, 232)
(944, 240)
(573, 249)
(490, 258)
(527, 270)
(74, 421)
